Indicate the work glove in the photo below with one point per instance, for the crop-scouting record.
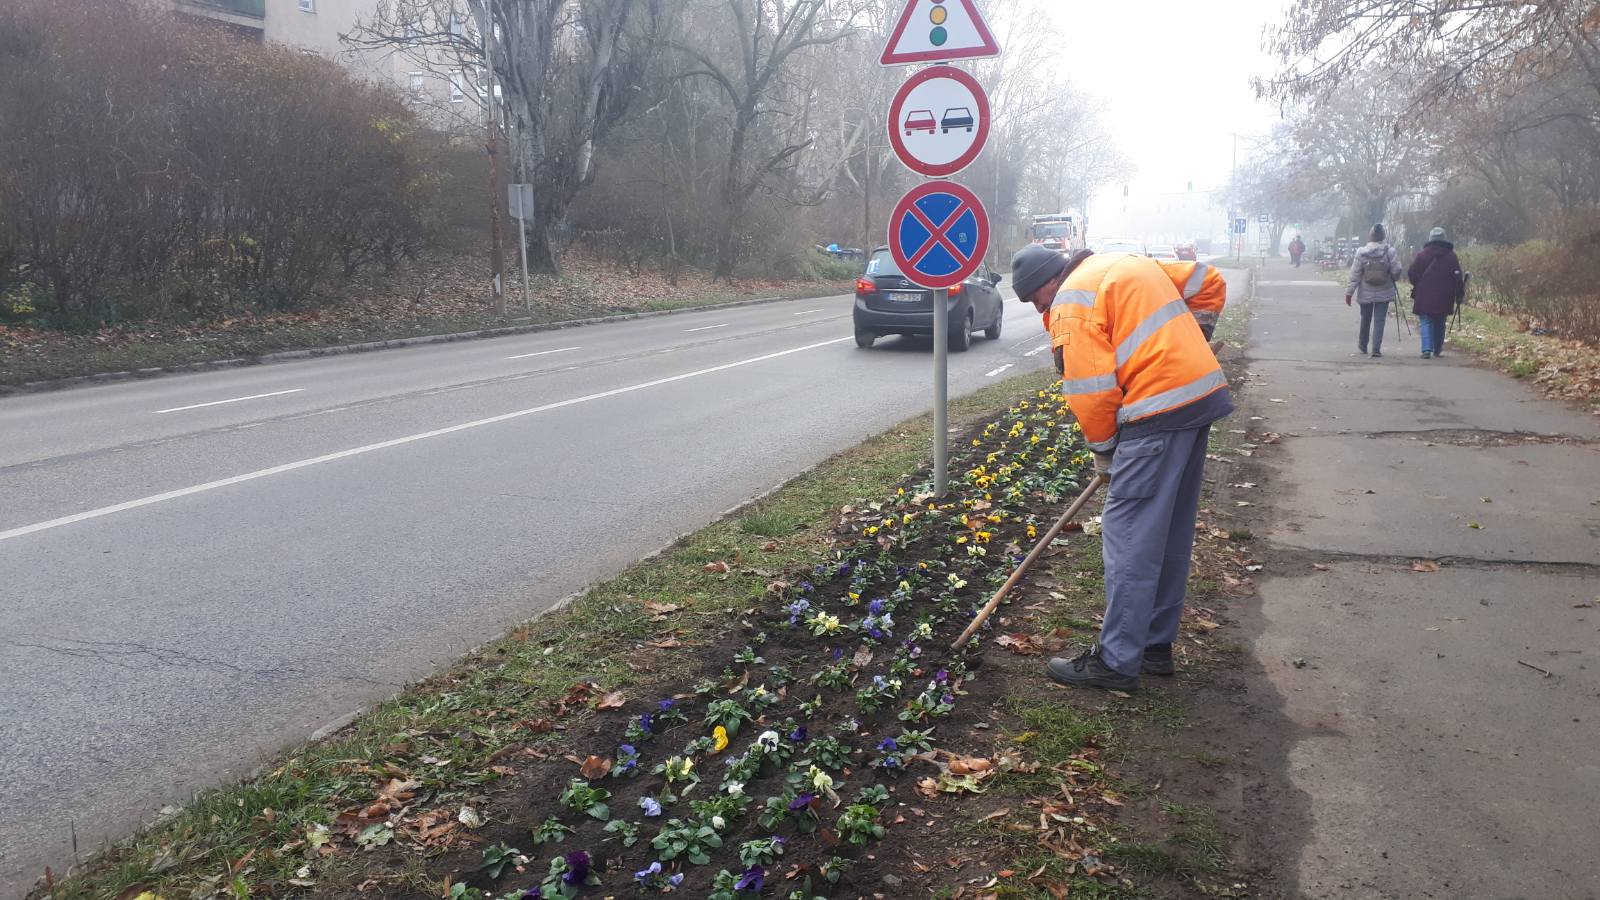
(1102, 466)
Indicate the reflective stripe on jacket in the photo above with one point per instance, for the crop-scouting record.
(1202, 286)
(1130, 348)
(1204, 289)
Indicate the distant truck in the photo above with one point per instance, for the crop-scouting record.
(1066, 232)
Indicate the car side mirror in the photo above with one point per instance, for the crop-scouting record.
(994, 278)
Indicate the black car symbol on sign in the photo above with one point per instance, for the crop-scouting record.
(956, 117)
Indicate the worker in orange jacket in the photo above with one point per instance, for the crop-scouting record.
(1145, 388)
(1204, 290)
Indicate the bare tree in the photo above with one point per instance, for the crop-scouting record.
(1455, 45)
(767, 35)
(565, 73)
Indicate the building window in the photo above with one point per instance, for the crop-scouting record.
(309, 6)
(418, 83)
(457, 87)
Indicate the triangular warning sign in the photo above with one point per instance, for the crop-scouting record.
(939, 31)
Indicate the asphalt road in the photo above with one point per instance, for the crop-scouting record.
(198, 570)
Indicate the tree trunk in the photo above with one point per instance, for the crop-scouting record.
(733, 196)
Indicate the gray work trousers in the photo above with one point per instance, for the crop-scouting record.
(1147, 537)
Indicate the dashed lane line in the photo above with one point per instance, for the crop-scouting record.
(229, 400)
(384, 445)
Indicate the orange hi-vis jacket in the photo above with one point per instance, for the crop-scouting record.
(1203, 288)
(1130, 348)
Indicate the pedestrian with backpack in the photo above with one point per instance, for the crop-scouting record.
(1437, 289)
(1374, 277)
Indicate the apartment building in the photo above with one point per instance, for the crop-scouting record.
(444, 97)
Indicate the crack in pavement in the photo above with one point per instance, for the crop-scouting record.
(133, 656)
(1291, 553)
(1466, 437)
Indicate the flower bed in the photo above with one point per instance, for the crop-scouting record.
(771, 774)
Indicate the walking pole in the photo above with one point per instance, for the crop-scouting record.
(1022, 569)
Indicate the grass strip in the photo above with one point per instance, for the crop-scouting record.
(157, 348)
(450, 731)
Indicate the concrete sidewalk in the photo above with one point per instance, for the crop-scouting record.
(1435, 755)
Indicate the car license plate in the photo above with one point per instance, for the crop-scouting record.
(905, 296)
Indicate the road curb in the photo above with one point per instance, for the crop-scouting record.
(71, 381)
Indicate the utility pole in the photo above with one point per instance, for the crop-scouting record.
(497, 190)
(1233, 183)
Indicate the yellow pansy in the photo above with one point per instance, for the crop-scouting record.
(719, 739)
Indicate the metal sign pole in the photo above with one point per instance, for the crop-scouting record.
(522, 244)
(941, 392)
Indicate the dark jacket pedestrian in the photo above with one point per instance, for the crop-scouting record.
(1436, 277)
(1437, 289)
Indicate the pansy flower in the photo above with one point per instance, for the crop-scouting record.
(651, 806)
(577, 868)
(802, 801)
(753, 879)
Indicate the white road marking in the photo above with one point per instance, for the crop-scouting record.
(384, 445)
(1037, 350)
(997, 371)
(231, 400)
(544, 352)
(705, 328)
(807, 312)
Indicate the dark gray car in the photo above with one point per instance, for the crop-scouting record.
(888, 303)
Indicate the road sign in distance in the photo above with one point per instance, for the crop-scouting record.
(1241, 225)
(938, 234)
(939, 121)
(939, 31)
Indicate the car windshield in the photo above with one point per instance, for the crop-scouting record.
(1045, 231)
(881, 263)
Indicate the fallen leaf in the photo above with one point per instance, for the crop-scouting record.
(595, 767)
(1023, 644)
(670, 643)
(969, 765)
(997, 814)
(863, 657)
(613, 700)
(469, 817)
(770, 546)
(661, 609)
(1207, 625)
(398, 791)
(718, 567)
(1425, 565)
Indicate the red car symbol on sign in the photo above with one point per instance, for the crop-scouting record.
(921, 120)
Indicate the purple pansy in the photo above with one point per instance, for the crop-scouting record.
(888, 746)
(651, 806)
(667, 704)
(875, 607)
(577, 868)
(802, 801)
(532, 893)
(941, 676)
(646, 873)
(798, 735)
(752, 880)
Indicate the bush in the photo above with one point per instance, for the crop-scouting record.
(1553, 282)
(153, 168)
